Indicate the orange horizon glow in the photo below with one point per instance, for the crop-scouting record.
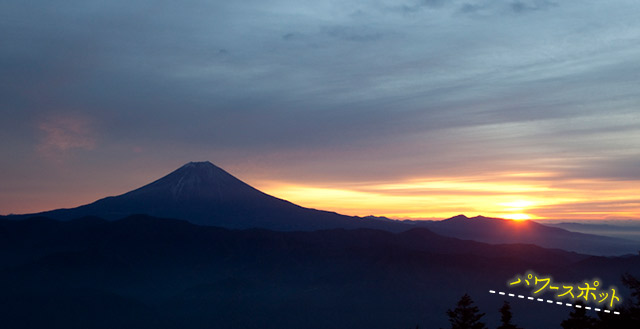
(517, 217)
(516, 196)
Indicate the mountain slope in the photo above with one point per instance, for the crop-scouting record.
(205, 194)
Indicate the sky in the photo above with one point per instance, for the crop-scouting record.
(407, 109)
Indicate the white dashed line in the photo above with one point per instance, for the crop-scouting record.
(502, 293)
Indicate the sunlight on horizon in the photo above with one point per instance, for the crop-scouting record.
(511, 196)
(517, 217)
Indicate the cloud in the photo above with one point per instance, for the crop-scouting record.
(491, 7)
(289, 36)
(521, 6)
(353, 33)
(415, 6)
(64, 134)
(330, 91)
(620, 208)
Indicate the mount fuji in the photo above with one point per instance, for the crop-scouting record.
(204, 194)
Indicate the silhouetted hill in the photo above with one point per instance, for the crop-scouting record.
(144, 272)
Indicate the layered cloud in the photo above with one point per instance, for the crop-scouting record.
(323, 94)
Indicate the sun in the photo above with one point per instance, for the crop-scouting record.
(515, 209)
(517, 217)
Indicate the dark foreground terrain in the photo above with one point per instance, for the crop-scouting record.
(145, 272)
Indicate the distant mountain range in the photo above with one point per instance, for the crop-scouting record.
(496, 230)
(626, 230)
(204, 194)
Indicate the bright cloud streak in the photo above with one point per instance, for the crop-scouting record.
(428, 198)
